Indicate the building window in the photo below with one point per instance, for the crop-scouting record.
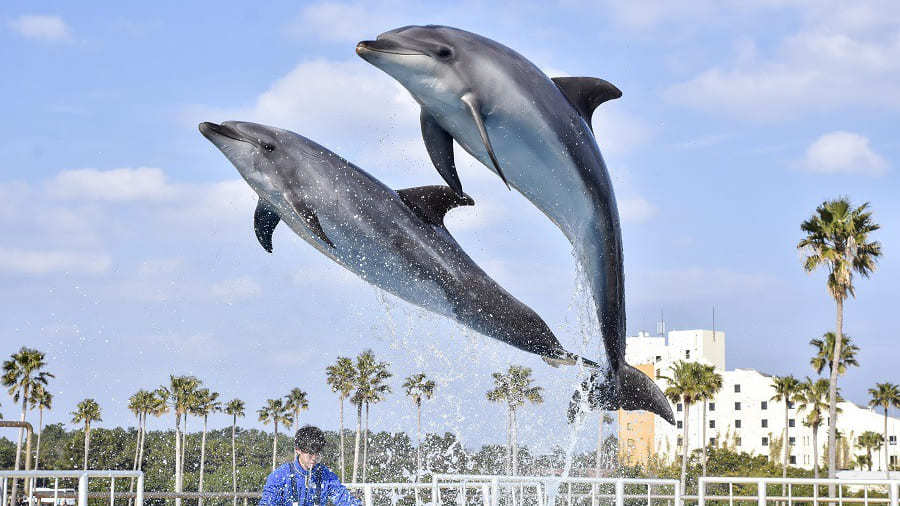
(764, 405)
(631, 444)
(678, 407)
(628, 426)
(658, 358)
(679, 424)
(792, 440)
(790, 404)
(712, 424)
(737, 406)
(712, 406)
(679, 441)
(737, 424)
(793, 460)
(893, 460)
(737, 441)
(737, 388)
(892, 440)
(687, 354)
(765, 422)
(765, 441)
(658, 374)
(712, 441)
(806, 459)
(792, 422)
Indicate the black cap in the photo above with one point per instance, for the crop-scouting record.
(309, 439)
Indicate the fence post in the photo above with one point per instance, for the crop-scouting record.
(894, 493)
(435, 496)
(367, 494)
(761, 492)
(701, 492)
(485, 494)
(495, 492)
(620, 492)
(139, 493)
(82, 489)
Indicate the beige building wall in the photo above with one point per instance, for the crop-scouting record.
(637, 431)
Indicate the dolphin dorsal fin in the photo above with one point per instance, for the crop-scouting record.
(265, 219)
(431, 203)
(586, 93)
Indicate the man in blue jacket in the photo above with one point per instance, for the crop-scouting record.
(304, 481)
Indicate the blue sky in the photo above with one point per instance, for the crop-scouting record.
(128, 254)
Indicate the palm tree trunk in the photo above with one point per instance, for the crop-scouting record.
(832, 393)
(87, 443)
(786, 443)
(233, 462)
(703, 442)
(15, 484)
(419, 440)
(815, 431)
(365, 466)
(508, 466)
(685, 446)
(599, 454)
(137, 449)
(275, 445)
(37, 453)
(184, 435)
(887, 470)
(515, 445)
(342, 438)
(356, 441)
(202, 459)
(178, 463)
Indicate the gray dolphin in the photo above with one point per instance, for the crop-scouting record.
(395, 240)
(535, 133)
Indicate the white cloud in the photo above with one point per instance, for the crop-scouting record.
(843, 152)
(112, 185)
(19, 261)
(237, 289)
(43, 28)
(338, 22)
(636, 210)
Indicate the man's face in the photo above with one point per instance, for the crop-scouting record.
(307, 460)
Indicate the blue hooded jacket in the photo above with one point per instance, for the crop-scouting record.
(290, 484)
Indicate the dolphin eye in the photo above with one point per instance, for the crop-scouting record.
(444, 52)
(268, 147)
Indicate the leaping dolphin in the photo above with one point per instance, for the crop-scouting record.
(534, 133)
(395, 240)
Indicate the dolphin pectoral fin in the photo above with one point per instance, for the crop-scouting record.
(586, 93)
(431, 203)
(439, 144)
(309, 217)
(265, 219)
(472, 104)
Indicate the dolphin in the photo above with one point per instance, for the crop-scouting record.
(395, 240)
(535, 133)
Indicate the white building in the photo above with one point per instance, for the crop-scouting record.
(743, 414)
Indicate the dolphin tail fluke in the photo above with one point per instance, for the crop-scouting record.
(634, 391)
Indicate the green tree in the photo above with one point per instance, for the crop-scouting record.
(296, 401)
(884, 395)
(42, 399)
(274, 411)
(814, 401)
(870, 440)
(825, 350)
(515, 388)
(341, 377)
(207, 402)
(418, 388)
(86, 412)
(605, 419)
(710, 382)
(837, 237)
(21, 374)
(140, 403)
(685, 386)
(235, 408)
(787, 390)
(179, 395)
(371, 388)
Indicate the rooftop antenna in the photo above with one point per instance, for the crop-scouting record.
(661, 325)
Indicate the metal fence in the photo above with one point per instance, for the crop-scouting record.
(59, 493)
(731, 491)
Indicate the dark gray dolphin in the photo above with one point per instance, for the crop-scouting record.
(535, 133)
(395, 240)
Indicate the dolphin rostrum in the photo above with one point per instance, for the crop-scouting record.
(395, 240)
(535, 133)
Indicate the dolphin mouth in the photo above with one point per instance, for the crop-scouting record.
(384, 46)
(209, 129)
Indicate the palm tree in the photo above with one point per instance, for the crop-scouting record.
(870, 440)
(87, 411)
(825, 350)
(515, 388)
(42, 399)
(296, 401)
(192, 401)
(788, 390)
(179, 394)
(274, 411)
(685, 387)
(235, 408)
(837, 236)
(418, 388)
(710, 383)
(21, 374)
(341, 377)
(140, 403)
(207, 402)
(372, 388)
(884, 395)
(814, 400)
(605, 419)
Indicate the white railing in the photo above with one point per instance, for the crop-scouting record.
(853, 492)
(81, 476)
(553, 490)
